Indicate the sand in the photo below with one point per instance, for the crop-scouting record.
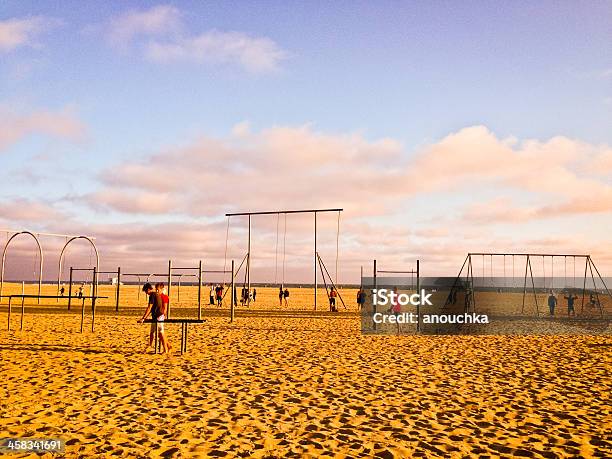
(304, 386)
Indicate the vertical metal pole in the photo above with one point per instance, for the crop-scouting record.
(118, 288)
(316, 281)
(200, 290)
(373, 302)
(22, 287)
(248, 266)
(233, 300)
(586, 263)
(525, 284)
(9, 314)
(22, 311)
(535, 296)
(82, 314)
(93, 298)
(178, 290)
(70, 289)
(418, 286)
(169, 286)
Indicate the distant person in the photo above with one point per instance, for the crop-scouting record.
(81, 287)
(161, 289)
(62, 290)
(570, 303)
(360, 298)
(154, 308)
(286, 296)
(211, 293)
(281, 295)
(243, 296)
(235, 297)
(552, 302)
(254, 295)
(219, 296)
(593, 301)
(332, 300)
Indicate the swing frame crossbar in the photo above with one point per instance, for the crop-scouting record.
(589, 265)
(247, 257)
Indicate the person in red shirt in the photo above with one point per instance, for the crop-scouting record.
(161, 289)
(332, 300)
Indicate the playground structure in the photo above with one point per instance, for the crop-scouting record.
(391, 282)
(36, 237)
(468, 283)
(318, 264)
(144, 277)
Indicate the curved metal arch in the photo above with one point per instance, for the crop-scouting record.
(40, 263)
(61, 258)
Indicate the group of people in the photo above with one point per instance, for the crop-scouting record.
(157, 308)
(216, 295)
(570, 298)
(247, 297)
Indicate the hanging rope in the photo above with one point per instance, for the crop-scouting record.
(544, 271)
(505, 283)
(552, 272)
(337, 246)
(574, 272)
(564, 272)
(284, 248)
(225, 253)
(276, 251)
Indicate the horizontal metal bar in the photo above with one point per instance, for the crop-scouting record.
(529, 254)
(306, 211)
(216, 271)
(175, 321)
(38, 233)
(397, 272)
(173, 268)
(51, 296)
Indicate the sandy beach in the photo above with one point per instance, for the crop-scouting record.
(302, 386)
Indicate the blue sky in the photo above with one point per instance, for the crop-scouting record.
(412, 72)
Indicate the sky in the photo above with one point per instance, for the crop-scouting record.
(439, 127)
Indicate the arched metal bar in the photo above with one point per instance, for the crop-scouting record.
(61, 259)
(40, 263)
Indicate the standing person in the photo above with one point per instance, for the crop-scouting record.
(243, 296)
(281, 295)
(361, 297)
(81, 287)
(154, 308)
(332, 300)
(161, 289)
(570, 303)
(62, 290)
(211, 293)
(220, 296)
(285, 296)
(254, 295)
(552, 302)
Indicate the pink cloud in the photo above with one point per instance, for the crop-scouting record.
(61, 124)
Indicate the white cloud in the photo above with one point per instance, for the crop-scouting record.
(255, 54)
(23, 32)
(159, 20)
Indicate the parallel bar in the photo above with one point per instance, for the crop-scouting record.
(283, 212)
(529, 254)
